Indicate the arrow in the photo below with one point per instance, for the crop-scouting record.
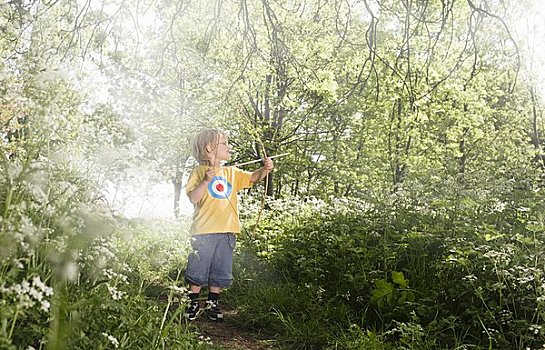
(259, 160)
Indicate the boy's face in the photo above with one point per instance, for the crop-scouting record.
(221, 150)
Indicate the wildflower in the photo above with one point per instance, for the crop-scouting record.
(116, 294)
(37, 283)
(499, 206)
(534, 328)
(470, 278)
(111, 274)
(25, 302)
(203, 340)
(27, 227)
(505, 317)
(525, 279)
(18, 264)
(179, 289)
(45, 305)
(36, 294)
(25, 287)
(112, 339)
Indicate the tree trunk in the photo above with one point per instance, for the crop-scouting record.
(536, 140)
(462, 160)
(177, 181)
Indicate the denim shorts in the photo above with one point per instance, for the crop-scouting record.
(211, 262)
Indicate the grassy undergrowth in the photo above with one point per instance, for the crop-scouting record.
(313, 275)
(362, 279)
(75, 276)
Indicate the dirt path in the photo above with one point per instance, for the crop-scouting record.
(229, 335)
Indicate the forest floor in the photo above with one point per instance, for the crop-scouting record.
(229, 334)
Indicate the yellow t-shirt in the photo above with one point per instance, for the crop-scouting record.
(217, 212)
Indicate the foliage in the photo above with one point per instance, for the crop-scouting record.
(408, 213)
(415, 277)
(67, 279)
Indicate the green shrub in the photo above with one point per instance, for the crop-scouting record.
(74, 276)
(419, 277)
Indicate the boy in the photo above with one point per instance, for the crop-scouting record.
(213, 189)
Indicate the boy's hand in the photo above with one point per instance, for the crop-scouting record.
(209, 175)
(268, 165)
(262, 172)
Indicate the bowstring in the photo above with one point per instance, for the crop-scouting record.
(255, 134)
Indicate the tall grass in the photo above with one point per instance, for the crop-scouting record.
(75, 276)
(401, 277)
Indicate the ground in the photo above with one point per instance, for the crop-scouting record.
(229, 335)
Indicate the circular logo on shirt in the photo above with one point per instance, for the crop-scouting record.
(219, 187)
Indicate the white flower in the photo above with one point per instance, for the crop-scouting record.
(48, 291)
(27, 227)
(536, 329)
(45, 305)
(26, 302)
(203, 340)
(36, 294)
(179, 289)
(25, 287)
(37, 283)
(108, 273)
(112, 339)
(116, 294)
(470, 278)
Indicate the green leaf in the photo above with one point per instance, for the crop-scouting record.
(384, 289)
(399, 279)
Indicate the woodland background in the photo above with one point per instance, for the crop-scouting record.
(409, 213)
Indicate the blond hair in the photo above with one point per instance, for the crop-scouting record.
(202, 140)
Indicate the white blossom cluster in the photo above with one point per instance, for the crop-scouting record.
(112, 275)
(205, 340)
(115, 279)
(178, 289)
(500, 257)
(541, 297)
(116, 293)
(112, 339)
(535, 329)
(505, 317)
(470, 278)
(103, 247)
(100, 258)
(27, 294)
(101, 254)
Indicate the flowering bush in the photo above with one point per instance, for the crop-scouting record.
(73, 275)
(425, 279)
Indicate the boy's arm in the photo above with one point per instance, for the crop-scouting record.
(260, 173)
(198, 192)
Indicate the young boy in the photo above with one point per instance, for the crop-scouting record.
(213, 189)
